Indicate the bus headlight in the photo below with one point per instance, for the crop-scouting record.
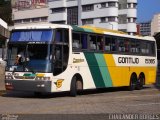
(43, 78)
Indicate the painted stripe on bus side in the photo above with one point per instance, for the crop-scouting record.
(94, 69)
(104, 70)
(115, 72)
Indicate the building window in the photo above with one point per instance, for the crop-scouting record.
(111, 19)
(72, 16)
(57, 10)
(134, 5)
(26, 20)
(103, 5)
(129, 5)
(103, 20)
(58, 22)
(87, 8)
(43, 19)
(111, 4)
(87, 21)
(134, 20)
(17, 21)
(129, 20)
(35, 20)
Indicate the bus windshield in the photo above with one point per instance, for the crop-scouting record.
(29, 50)
(34, 57)
(44, 35)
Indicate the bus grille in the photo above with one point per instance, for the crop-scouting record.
(24, 77)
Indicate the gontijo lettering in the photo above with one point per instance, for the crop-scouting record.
(128, 60)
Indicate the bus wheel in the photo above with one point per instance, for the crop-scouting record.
(133, 82)
(76, 86)
(140, 82)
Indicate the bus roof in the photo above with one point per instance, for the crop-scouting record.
(89, 29)
(98, 30)
(39, 26)
(95, 29)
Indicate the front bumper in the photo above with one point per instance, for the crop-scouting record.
(28, 85)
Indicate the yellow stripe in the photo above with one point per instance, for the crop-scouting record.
(113, 70)
(102, 30)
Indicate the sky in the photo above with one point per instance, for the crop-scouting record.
(146, 9)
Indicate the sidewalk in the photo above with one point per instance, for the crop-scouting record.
(2, 87)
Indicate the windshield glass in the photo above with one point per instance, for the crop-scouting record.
(44, 35)
(32, 57)
(29, 50)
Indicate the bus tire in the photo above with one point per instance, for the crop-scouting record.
(76, 86)
(133, 82)
(140, 82)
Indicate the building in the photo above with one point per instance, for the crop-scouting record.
(29, 11)
(155, 24)
(145, 28)
(4, 35)
(111, 14)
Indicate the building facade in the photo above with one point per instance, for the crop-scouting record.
(110, 14)
(155, 24)
(4, 35)
(145, 28)
(29, 11)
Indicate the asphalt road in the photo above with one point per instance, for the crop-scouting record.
(90, 102)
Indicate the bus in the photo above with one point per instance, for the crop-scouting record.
(61, 58)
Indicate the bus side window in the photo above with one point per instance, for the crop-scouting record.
(76, 41)
(152, 48)
(133, 46)
(84, 41)
(100, 42)
(114, 44)
(66, 36)
(108, 43)
(138, 47)
(93, 42)
(144, 47)
(61, 51)
(147, 47)
(59, 36)
(126, 45)
(120, 43)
